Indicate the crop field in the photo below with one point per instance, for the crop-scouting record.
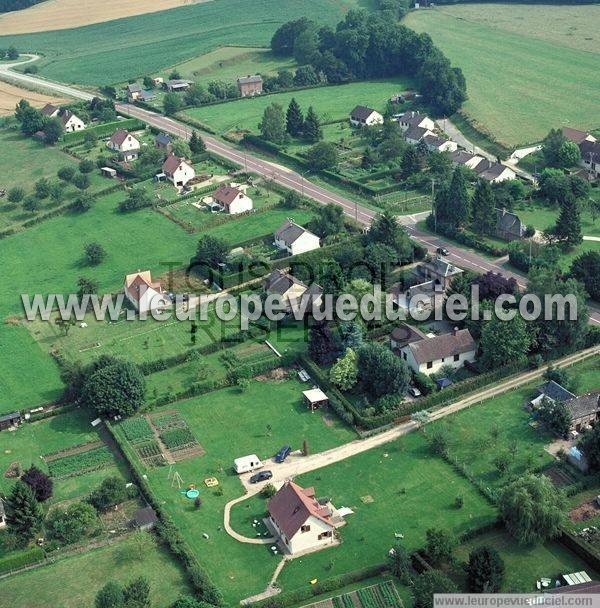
(61, 583)
(10, 96)
(230, 423)
(330, 103)
(149, 43)
(229, 62)
(519, 85)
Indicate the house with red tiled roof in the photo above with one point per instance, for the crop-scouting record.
(143, 293)
(125, 144)
(179, 171)
(301, 522)
(233, 198)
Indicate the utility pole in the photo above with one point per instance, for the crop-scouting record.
(433, 205)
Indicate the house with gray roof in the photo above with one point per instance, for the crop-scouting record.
(509, 226)
(553, 391)
(438, 270)
(295, 239)
(584, 410)
(362, 116)
(590, 158)
(293, 291)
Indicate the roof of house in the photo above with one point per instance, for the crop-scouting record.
(445, 345)
(584, 405)
(462, 157)
(9, 417)
(589, 149)
(65, 115)
(361, 113)
(507, 221)
(293, 505)
(138, 283)
(441, 267)
(177, 82)
(279, 282)
(49, 109)
(406, 334)
(226, 194)
(289, 232)
(134, 88)
(250, 79)
(489, 170)
(434, 141)
(412, 119)
(588, 587)
(574, 134)
(145, 517)
(172, 163)
(163, 139)
(119, 136)
(147, 95)
(415, 133)
(554, 391)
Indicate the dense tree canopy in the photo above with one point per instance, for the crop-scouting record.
(39, 482)
(586, 268)
(485, 570)
(381, 372)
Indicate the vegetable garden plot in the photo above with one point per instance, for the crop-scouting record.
(80, 461)
(150, 453)
(382, 595)
(137, 429)
(176, 436)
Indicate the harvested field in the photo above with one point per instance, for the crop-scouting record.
(50, 15)
(11, 95)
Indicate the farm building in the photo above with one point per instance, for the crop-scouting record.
(315, 398)
(577, 136)
(249, 86)
(10, 421)
(145, 519)
(429, 355)
(295, 239)
(301, 522)
(509, 226)
(584, 410)
(178, 170)
(233, 198)
(414, 119)
(143, 293)
(70, 121)
(125, 144)
(362, 116)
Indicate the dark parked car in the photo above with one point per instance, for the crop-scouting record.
(262, 476)
(283, 453)
(442, 251)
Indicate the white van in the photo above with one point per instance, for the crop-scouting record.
(247, 463)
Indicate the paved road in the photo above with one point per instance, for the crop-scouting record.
(455, 134)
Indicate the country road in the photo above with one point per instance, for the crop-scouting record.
(465, 258)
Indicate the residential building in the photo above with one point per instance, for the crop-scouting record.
(143, 293)
(10, 421)
(577, 136)
(163, 141)
(494, 172)
(590, 158)
(439, 144)
(416, 298)
(125, 144)
(69, 120)
(293, 291)
(465, 159)
(438, 270)
(2, 514)
(429, 355)
(301, 522)
(584, 410)
(249, 86)
(414, 119)
(362, 116)
(552, 391)
(233, 198)
(178, 171)
(134, 91)
(509, 226)
(295, 239)
(405, 334)
(414, 135)
(177, 85)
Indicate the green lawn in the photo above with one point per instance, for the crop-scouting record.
(227, 63)
(519, 85)
(74, 581)
(115, 51)
(228, 424)
(31, 441)
(330, 103)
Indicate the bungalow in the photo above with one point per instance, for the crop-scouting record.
(439, 144)
(439, 271)
(414, 135)
(301, 522)
(125, 144)
(177, 85)
(70, 121)
(465, 159)
(178, 170)
(414, 119)
(590, 158)
(163, 141)
(249, 86)
(509, 226)
(429, 355)
(143, 293)
(292, 290)
(9, 421)
(233, 198)
(295, 239)
(362, 116)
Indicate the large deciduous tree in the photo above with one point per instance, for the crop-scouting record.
(504, 342)
(381, 372)
(272, 125)
(39, 482)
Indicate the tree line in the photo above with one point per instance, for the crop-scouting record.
(367, 45)
(6, 6)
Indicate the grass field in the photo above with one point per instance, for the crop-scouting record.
(519, 85)
(149, 43)
(330, 103)
(229, 62)
(74, 581)
(230, 423)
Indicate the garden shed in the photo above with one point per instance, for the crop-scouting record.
(315, 398)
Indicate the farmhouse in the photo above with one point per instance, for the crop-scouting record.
(292, 290)
(143, 293)
(590, 158)
(301, 522)
(70, 121)
(362, 116)
(439, 271)
(233, 198)
(10, 421)
(429, 355)
(178, 170)
(414, 135)
(295, 239)
(163, 141)
(508, 225)
(250, 85)
(177, 85)
(414, 119)
(439, 144)
(125, 144)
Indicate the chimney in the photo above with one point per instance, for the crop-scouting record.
(455, 330)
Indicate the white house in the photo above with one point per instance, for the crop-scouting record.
(414, 119)
(439, 144)
(300, 521)
(125, 144)
(362, 116)
(295, 239)
(486, 169)
(143, 293)
(292, 291)
(233, 198)
(466, 159)
(70, 121)
(178, 170)
(429, 355)
(414, 135)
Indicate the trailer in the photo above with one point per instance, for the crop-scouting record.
(246, 464)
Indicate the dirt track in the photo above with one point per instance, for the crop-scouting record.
(50, 15)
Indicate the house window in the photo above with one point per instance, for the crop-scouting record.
(457, 357)
(443, 359)
(404, 356)
(325, 534)
(305, 528)
(429, 364)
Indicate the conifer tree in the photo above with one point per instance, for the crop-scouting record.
(483, 212)
(312, 127)
(24, 515)
(294, 120)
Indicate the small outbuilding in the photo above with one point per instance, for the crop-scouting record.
(109, 172)
(10, 421)
(145, 519)
(245, 464)
(315, 398)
